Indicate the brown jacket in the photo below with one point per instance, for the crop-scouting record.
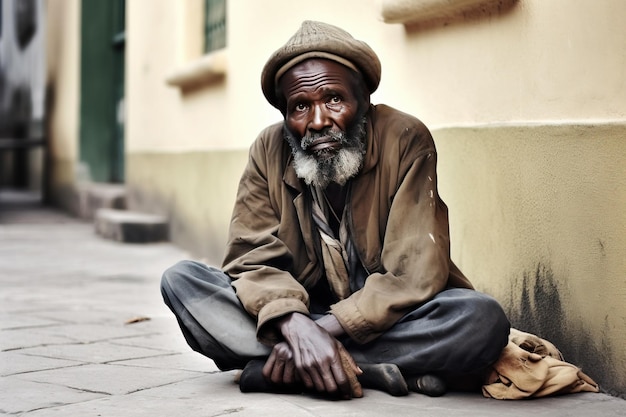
(397, 220)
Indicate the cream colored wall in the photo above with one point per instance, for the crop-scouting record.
(63, 81)
(154, 47)
(527, 105)
(62, 53)
(537, 61)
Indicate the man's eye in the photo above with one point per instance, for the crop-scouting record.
(335, 100)
(300, 107)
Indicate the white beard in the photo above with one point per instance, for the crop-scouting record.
(338, 168)
(321, 168)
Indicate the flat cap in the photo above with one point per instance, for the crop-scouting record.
(320, 40)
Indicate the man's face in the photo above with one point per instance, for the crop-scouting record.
(324, 121)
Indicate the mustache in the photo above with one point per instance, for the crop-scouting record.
(310, 138)
(353, 137)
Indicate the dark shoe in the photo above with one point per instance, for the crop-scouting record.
(430, 385)
(252, 380)
(383, 377)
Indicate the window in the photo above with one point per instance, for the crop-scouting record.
(206, 42)
(215, 25)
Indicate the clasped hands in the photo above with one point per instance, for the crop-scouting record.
(312, 355)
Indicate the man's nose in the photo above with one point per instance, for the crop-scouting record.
(320, 119)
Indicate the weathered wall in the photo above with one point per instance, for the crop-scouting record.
(537, 219)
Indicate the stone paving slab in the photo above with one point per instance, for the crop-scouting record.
(166, 336)
(20, 396)
(25, 338)
(12, 363)
(77, 315)
(13, 321)
(66, 349)
(91, 332)
(108, 379)
(190, 361)
(102, 352)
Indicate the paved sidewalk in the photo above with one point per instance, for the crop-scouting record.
(68, 347)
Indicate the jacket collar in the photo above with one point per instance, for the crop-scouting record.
(371, 152)
(290, 177)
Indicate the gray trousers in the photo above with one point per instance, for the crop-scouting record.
(458, 332)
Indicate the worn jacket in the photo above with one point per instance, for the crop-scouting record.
(396, 219)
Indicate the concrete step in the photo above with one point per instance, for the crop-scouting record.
(93, 196)
(130, 226)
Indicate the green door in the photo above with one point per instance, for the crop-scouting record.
(102, 89)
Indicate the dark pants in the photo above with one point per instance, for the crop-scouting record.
(458, 332)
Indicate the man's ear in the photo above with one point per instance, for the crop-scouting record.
(281, 101)
(365, 94)
(364, 103)
(366, 99)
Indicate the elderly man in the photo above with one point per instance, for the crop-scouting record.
(337, 271)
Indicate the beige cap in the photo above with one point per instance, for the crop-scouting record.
(320, 40)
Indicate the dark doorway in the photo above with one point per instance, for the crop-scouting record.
(102, 111)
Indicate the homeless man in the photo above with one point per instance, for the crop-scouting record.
(337, 273)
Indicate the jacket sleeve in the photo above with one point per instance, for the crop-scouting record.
(256, 259)
(415, 255)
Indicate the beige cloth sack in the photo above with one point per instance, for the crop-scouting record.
(533, 367)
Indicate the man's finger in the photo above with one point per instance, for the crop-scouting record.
(277, 372)
(269, 366)
(323, 382)
(305, 378)
(333, 382)
(289, 373)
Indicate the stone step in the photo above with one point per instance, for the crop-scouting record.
(93, 196)
(130, 226)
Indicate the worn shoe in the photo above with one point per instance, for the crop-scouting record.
(251, 379)
(428, 384)
(383, 377)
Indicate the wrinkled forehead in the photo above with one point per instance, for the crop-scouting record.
(316, 73)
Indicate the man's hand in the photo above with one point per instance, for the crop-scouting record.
(313, 356)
